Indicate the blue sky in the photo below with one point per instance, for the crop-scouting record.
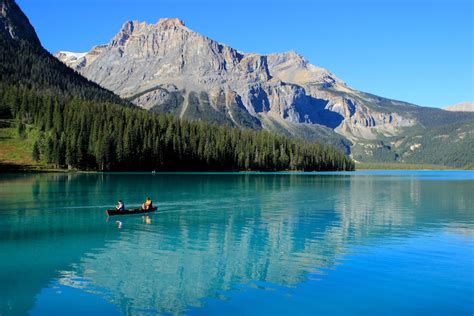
(420, 51)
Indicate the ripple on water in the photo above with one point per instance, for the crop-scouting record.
(303, 244)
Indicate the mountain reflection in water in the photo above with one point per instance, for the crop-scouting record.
(213, 233)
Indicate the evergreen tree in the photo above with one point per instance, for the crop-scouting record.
(21, 130)
(35, 154)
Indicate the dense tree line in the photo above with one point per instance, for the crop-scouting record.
(84, 126)
(450, 145)
(105, 136)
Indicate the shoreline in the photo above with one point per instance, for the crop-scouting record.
(360, 166)
(65, 171)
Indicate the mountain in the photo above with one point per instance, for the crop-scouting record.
(15, 25)
(25, 63)
(69, 121)
(461, 107)
(166, 67)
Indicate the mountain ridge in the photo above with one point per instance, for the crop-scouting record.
(171, 57)
(167, 67)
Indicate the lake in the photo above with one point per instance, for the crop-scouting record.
(361, 243)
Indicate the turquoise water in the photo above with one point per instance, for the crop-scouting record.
(363, 243)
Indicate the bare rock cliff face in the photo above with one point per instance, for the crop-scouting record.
(167, 67)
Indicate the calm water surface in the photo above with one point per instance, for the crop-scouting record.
(364, 243)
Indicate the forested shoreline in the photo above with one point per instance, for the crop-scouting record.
(85, 127)
(104, 136)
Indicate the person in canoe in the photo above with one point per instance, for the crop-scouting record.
(120, 206)
(148, 204)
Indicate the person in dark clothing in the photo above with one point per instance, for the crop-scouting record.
(120, 206)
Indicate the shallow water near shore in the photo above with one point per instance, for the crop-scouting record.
(354, 243)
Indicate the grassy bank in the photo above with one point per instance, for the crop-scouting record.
(469, 166)
(15, 150)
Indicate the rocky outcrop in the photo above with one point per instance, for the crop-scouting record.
(167, 67)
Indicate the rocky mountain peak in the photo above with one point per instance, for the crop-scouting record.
(170, 23)
(294, 56)
(143, 32)
(130, 27)
(168, 67)
(125, 32)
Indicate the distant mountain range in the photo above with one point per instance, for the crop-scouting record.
(166, 67)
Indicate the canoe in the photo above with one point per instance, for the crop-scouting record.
(130, 212)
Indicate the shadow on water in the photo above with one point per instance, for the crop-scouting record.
(212, 234)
